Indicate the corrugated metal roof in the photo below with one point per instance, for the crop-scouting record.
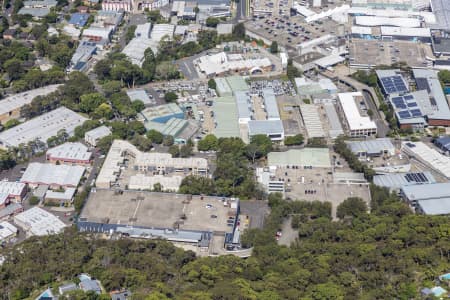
(374, 146)
(435, 206)
(427, 191)
(397, 180)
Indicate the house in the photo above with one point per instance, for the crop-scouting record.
(9, 34)
(67, 288)
(88, 284)
(120, 295)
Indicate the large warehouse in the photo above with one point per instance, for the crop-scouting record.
(10, 106)
(39, 222)
(53, 175)
(430, 199)
(175, 217)
(428, 156)
(42, 127)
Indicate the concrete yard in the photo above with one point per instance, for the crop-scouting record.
(157, 210)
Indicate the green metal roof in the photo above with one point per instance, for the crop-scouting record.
(315, 157)
(226, 117)
(237, 83)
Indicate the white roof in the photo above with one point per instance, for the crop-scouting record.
(139, 94)
(16, 101)
(42, 127)
(405, 31)
(102, 32)
(135, 49)
(11, 188)
(303, 10)
(221, 62)
(39, 222)
(351, 111)
(142, 182)
(143, 30)
(271, 104)
(329, 60)
(431, 157)
(64, 175)
(7, 230)
(361, 30)
(161, 30)
(111, 166)
(435, 206)
(223, 28)
(327, 13)
(66, 195)
(387, 21)
(429, 17)
(311, 118)
(98, 133)
(70, 151)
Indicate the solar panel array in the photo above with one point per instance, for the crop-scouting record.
(393, 84)
(406, 107)
(416, 177)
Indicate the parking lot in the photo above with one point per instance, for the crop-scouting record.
(192, 91)
(289, 31)
(317, 184)
(280, 87)
(375, 52)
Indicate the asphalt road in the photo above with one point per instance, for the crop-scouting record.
(382, 128)
(241, 10)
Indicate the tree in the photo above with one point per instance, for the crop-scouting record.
(111, 87)
(197, 185)
(138, 105)
(294, 140)
(352, 207)
(168, 140)
(274, 47)
(34, 200)
(212, 84)
(11, 123)
(170, 97)
(239, 31)
(212, 22)
(157, 187)
(174, 150)
(89, 102)
(155, 136)
(130, 33)
(259, 146)
(444, 76)
(14, 68)
(185, 151)
(208, 143)
(103, 68)
(292, 71)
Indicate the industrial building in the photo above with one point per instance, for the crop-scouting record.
(427, 156)
(357, 124)
(411, 109)
(39, 222)
(225, 117)
(42, 127)
(429, 199)
(11, 105)
(93, 136)
(7, 232)
(372, 21)
(244, 106)
(179, 218)
(306, 157)
(37, 8)
(272, 128)
(269, 181)
(443, 143)
(140, 94)
(270, 104)
(70, 153)
(135, 49)
(124, 155)
(10, 211)
(413, 5)
(392, 82)
(220, 64)
(335, 129)
(372, 148)
(162, 113)
(11, 192)
(397, 180)
(439, 114)
(311, 119)
(309, 87)
(60, 198)
(406, 34)
(55, 176)
(81, 58)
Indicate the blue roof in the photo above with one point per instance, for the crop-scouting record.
(443, 142)
(79, 19)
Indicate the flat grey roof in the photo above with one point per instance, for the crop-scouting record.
(42, 127)
(397, 180)
(157, 210)
(243, 104)
(372, 146)
(336, 127)
(428, 79)
(441, 9)
(271, 104)
(427, 191)
(265, 127)
(435, 206)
